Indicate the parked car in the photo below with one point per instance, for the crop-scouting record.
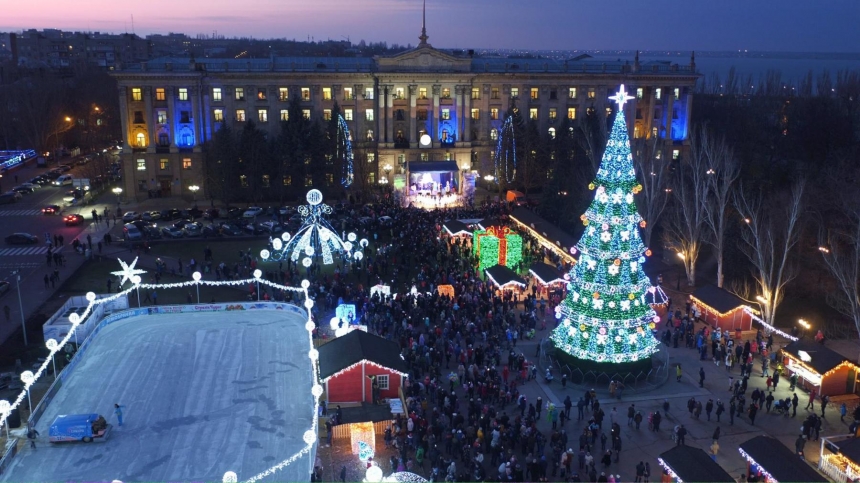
(151, 215)
(40, 180)
(131, 232)
(252, 212)
(272, 227)
(23, 189)
(192, 213)
(192, 230)
(212, 213)
(75, 195)
(230, 229)
(73, 219)
(35, 186)
(130, 216)
(63, 168)
(233, 213)
(4, 286)
(22, 239)
(211, 230)
(172, 231)
(53, 174)
(171, 214)
(151, 231)
(253, 229)
(286, 210)
(51, 210)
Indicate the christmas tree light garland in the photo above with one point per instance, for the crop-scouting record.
(606, 316)
(309, 436)
(345, 140)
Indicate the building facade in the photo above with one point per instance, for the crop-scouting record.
(456, 104)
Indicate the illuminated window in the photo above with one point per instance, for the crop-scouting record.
(677, 92)
(186, 163)
(676, 154)
(216, 93)
(164, 164)
(476, 114)
(658, 93)
(449, 157)
(307, 160)
(369, 135)
(553, 113)
(639, 93)
(218, 114)
(306, 114)
(141, 165)
(261, 94)
(494, 93)
(327, 114)
(347, 114)
(141, 140)
(534, 93)
(446, 93)
(425, 157)
(240, 93)
(476, 93)
(515, 92)
(326, 93)
(533, 113)
(243, 180)
(309, 180)
(159, 94)
(136, 94)
(494, 134)
(571, 93)
(267, 181)
(637, 131)
(283, 94)
(371, 157)
(371, 177)
(240, 115)
(368, 114)
(422, 93)
(183, 94)
(263, 115)
(161, 117)
(494, 113)
(446, 114)
(347, 93)
(306, 93)
(608, 111)
(398, 93)
(571, 113)
(368, 93)
(552, 133)
(329, 179)
(654, 131)
(287, 180)
(285, 115)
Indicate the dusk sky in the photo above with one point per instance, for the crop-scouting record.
(789, 25)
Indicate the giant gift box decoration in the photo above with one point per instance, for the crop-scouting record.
(497, 246)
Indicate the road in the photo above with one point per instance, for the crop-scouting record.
(26, 216)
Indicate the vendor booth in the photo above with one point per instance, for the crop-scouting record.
(839, 458)
(722, 309)
(504, 278)
(821, 368)
(457, 228)
(773, 462)
(551, 281)
(361, 367)
(688, 464)
(548, 235)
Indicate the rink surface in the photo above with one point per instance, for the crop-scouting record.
(204, 393)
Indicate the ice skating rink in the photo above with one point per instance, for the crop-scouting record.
(204, 393)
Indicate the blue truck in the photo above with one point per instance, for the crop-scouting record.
(79, 427)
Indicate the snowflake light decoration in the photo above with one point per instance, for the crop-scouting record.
(128, 271)
(315, 238)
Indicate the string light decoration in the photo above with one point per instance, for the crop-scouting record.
(508, 284)
(752, 313)
(554, 246)
(852, 469)
(363, 361)
(344, 151)
(315, 237)
(506, 151)
(768, 477)
(497, 246)
(128, 271)
(605, 316)
(669, 470)
(310, 435)
(362, 437)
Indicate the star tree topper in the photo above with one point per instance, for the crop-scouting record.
(621, 97)
(128, 271)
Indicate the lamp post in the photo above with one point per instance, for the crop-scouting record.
(17, 275)
(804, 325)
(117, 191)
(136, 281)
(257, 274)
(5, 409)
(489, 179)
(194, 188)
(196, 276)
(387, 168)
(51, 344)
(27, 378)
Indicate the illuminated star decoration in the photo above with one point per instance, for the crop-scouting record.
(621, 97)
(128, 271)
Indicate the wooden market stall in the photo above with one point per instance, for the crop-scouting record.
(839, 458)
(816, 366)
(457, 228)
(773, 462)
(361, 367)
(550, 280)
(689, 464)
(721, 308)
(504, 278)
(548, 235)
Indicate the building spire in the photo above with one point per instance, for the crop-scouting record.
(423, 38)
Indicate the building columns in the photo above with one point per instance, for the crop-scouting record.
(149, 116)
(197, 119)
(171, 117)
(123, 109)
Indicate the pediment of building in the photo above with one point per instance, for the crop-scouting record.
(423, 58)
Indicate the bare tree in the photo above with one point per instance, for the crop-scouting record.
(653, 171)
(841, 252)
(773, 229)
(723, 172)
(685, 225)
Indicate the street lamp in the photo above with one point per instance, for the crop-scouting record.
(27, 378)
(196, 276)
(51, 344)
(805, 325)
(681, 255)
(194, 188)
(117, 191)
(489, 179)
(17, 274)
(257, 274)
(387, 168)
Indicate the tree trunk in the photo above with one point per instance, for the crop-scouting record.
(720, 276)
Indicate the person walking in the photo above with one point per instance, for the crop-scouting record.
(825, 400)
(709, 407)
(32, 434)
(678, 373)
(681, 434)
(811, 403)
(701, 377)
(753, 410)
(343, 474)
(720, 409)
(794, 404)
(799, 444)
(640, 472)
(117, 409)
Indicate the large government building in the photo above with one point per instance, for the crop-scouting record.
(420, 106)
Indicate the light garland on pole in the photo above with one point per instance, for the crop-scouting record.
(309, 437)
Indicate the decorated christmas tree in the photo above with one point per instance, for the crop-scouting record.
(605, 316)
